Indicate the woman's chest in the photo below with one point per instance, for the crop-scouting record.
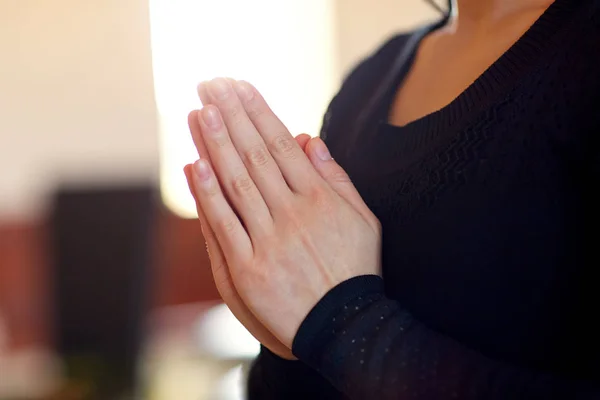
(481, 229)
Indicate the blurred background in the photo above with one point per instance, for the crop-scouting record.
(105, 287)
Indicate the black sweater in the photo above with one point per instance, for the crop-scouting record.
(489, 210)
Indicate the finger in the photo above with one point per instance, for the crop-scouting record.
(194, 125)
(302, 140)
(212, 246)
(238, 186)
(220, 271)
(289, 156)
(247, 141)
(203, 93)
(223, 281)
(195, 130)
(336, 177)
(221, 219)
(198, 139)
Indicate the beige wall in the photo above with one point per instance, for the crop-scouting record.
(364, 24)
(76, 91)
(76, 96)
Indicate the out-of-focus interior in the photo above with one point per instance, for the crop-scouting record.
(105, 286)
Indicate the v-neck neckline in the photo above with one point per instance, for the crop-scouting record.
(496, 79)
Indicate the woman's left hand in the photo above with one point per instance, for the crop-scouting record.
(291, 228)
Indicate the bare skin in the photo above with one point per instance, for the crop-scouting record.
(450, 59)
(219, 266)
(283, 223)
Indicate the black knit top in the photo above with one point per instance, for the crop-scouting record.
(489, 209)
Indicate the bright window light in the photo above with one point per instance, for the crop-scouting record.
(285, 48)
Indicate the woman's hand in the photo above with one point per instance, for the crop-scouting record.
(219, 266)
(290, 228)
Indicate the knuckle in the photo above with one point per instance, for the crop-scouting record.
(284, 145)
(321, 198)
(234, 111)
(223, 282)
(257, 156)
(220, 270)
(211, 189)
(242, 184)
(209, 236)
(316, 192)
(288, 209)
(255, 112)
(220, 139)
(338, 175)
(229, 226)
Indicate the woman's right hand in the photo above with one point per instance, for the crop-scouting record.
(219, 267)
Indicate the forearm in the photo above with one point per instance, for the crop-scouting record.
(369, 347)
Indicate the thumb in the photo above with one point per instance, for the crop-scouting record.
(302, 140)
(337, 178)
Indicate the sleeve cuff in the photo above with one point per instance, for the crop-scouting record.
(319, 322)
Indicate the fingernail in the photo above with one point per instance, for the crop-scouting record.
(202, 169)
(244, 90)
(322, 150)
(219, 88)
(211, 117)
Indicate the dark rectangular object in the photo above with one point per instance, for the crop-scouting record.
(102, 244)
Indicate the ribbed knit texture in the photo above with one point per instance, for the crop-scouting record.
(489, 209)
